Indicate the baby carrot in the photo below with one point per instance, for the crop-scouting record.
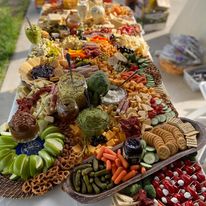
(118, 162)
(129, 175)
(135, 167)
(103, 159)
(100, 153)
(123, 161)
(108, 165)
(109, 156)
(120, 177)
(117, 172)
(143, 170)
(109, 151)
(114, 168)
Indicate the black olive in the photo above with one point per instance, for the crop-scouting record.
(98, 140)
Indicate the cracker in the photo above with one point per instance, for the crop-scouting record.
(175, 121)
(192, 133)
(181, 142)
(173, 147)
(163, 152)
(191, 137)
(166, 136)
(186, 128)
(173, 129)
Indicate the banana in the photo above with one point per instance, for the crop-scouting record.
(53, 147)
(55, 135)
(50, 129)
(48, 159)
(7, 160)
(7, 140)
(35, 164)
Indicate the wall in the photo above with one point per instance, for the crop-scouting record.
(192, 20)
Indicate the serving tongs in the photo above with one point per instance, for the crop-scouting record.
(68, 58)
(115, 87)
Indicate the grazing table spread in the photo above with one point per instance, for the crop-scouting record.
(92, 115)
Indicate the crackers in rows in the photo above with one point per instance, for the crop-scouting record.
(154, 140)
(173, 129)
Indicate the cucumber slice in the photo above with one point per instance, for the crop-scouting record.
(168, 110)
(145, 165)
(150, 149)
(156, 157)
(172, 113)
(158, 101)
(149, 158)
(162, 118)
(143, 153)
(155, 121)
(143, 143)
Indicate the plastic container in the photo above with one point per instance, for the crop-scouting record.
(192, 83)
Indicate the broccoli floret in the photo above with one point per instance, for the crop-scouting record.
(146, 181)
(132, 189)
(150, 190)
(98, 85)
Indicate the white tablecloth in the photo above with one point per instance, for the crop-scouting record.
(55, 197)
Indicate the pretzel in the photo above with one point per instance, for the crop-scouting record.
(26, 187)
(52, 171)
(39, 190)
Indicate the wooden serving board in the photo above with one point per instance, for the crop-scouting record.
(86, 199)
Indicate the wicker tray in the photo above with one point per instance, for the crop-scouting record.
(170, 67)
(86, 199)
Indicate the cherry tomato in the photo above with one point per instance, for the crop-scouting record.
(177, 204)
(188, 162)
(204, 194)
(197, 167)
(179, 171)
(155, 183)
(186, 178)
(159, 192)
(152, 101)
(176, 178)
(169, 173)
(168, 186)
(192, 192)
(189, 170)
(161, 176)
(178, 164)
(197, 186)
(189, 203)
(200, 177)
(201, 203)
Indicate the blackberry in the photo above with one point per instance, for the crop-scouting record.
(124, 49)
(43, 71)
(98, 140)
(112, 37)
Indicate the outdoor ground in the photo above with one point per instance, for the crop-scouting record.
(12, 15)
